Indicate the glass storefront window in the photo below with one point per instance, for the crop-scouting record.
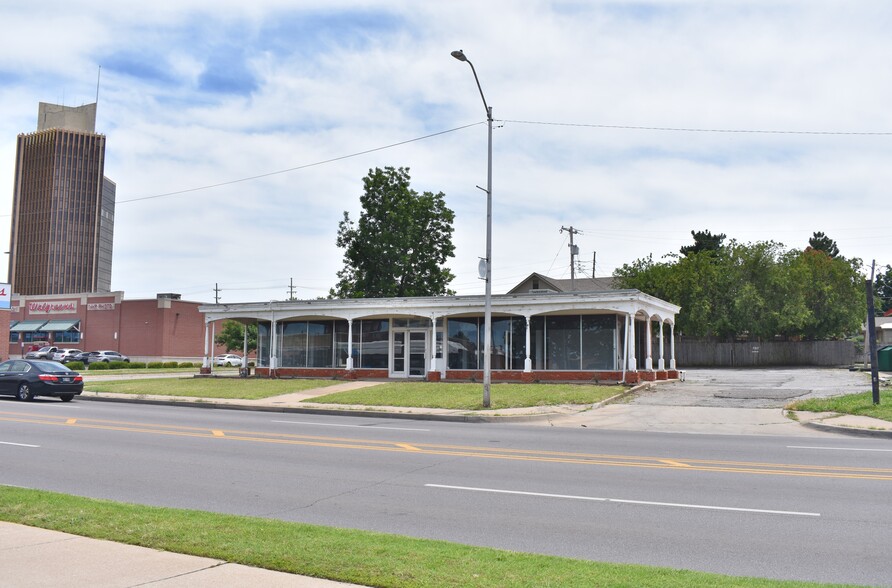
(463, 343)
(562, 343)
(292, 340)
(66, 337)
(320, 344)
(374, 353)
(598, 342)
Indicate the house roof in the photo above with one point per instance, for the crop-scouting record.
(583, 284)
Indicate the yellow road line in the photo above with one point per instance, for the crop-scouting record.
(531, 455)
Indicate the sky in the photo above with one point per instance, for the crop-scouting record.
(238, 133)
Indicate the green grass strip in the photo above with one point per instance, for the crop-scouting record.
(360, 557)
(470, 396)
(241, 388)
(857, 404)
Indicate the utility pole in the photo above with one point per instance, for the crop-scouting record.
(574, 251)
(872, 338)
(216, 293)
(291, 290)
(594, 263)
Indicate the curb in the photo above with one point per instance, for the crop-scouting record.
(455, 418)
(850, 431)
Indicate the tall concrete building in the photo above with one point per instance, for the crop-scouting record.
(63, 206)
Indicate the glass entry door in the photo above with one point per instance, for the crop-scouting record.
(409, 353)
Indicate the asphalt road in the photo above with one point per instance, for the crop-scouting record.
(777, 507)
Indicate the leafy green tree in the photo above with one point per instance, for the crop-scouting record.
(822, 242)
(399, 245)
(232, 336)
(882, 290)
(704, 241)
(758, 290)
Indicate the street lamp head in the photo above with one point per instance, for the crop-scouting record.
(459, 55)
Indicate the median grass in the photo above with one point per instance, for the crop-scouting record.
(239, 388)
(360, 557)
(459, 396)
(470, 396)
(859, 404)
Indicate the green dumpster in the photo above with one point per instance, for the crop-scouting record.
(884, 358)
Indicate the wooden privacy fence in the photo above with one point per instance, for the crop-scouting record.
(706, 353)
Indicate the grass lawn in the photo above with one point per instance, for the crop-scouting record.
(860, 404)
(369, 559)
(470, 396)
(247, 388)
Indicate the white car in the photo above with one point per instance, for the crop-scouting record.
(66, 354)
(228, 359)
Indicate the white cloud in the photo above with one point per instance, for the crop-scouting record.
(196, 93)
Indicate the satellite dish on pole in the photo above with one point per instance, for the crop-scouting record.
(481, 269)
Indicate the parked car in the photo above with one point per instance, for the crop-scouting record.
(105, 356)
(81, 357)
(27, 379)
(65, 354)
(228, 359)
(45, 352)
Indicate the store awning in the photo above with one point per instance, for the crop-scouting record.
(65, 325)
(26, 326)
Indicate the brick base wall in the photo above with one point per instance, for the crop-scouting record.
(477, 375)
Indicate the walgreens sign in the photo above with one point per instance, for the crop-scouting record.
(60, 307)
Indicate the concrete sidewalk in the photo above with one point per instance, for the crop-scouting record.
(34, 558)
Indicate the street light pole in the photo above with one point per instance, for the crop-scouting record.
(487, 305)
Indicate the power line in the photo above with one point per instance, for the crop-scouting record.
(299, 167)
(695, 130)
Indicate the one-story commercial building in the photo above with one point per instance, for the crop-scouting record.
(537, 335)
(164, 328)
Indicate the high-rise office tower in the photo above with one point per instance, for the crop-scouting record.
(63, 208)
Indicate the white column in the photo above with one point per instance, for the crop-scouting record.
(213, 346)
(671, 346)
(633, 361)
(662, 363)
(204, 362)
(648, 338)
(273, 343)
(433, 345)
(528, 363)
(245, 349)
(349, 344)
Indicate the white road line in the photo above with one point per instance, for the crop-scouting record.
(18, 444)
(623, 501)
(836, 448)
(352, 426)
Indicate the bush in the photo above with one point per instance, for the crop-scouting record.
(170, 364)
(98, 366)
(118, 365)
(137, 365)
(154, 365)
(186, 364)
(75, 365)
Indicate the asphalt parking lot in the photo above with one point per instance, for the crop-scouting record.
(753, 388)
(723, 402)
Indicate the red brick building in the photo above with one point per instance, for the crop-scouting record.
(165, 328)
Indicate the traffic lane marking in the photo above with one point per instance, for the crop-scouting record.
(627, 501)
(837, 448)
(470, 451)
(369, 426)
(18, 444)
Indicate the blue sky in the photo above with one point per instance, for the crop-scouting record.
(196, 93)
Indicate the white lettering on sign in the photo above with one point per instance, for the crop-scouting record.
(62, 307)
(101, 306)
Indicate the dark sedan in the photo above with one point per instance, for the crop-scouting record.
(28, 378)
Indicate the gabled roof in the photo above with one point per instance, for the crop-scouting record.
(582, 284)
